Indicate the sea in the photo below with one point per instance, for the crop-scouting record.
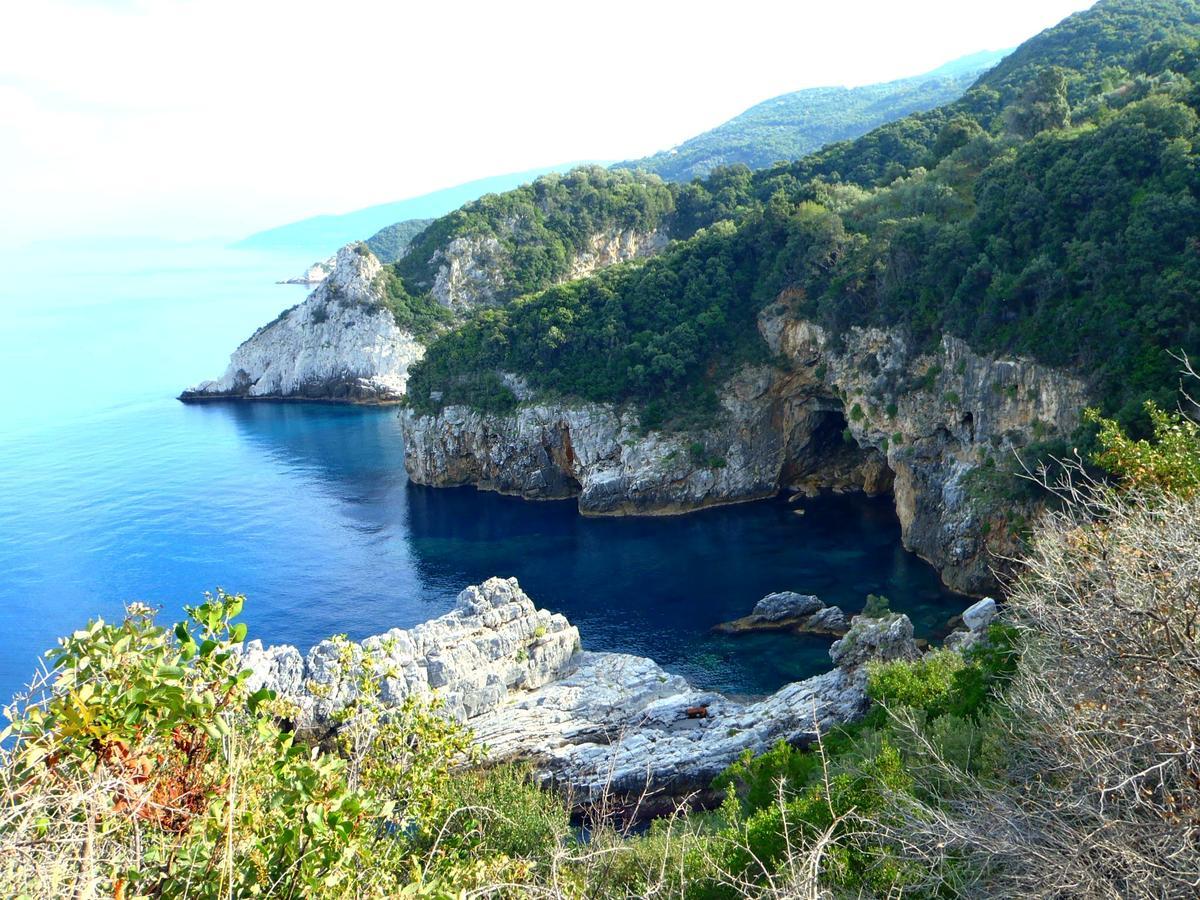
(112, 491)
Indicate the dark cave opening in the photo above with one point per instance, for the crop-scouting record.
(823, 454)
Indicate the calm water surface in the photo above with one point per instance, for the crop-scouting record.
(111, 491)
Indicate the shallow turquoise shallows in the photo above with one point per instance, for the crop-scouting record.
(112, 491)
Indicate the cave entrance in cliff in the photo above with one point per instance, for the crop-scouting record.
(968, 424)
(831, 436)
(826, 442)
(825, 455)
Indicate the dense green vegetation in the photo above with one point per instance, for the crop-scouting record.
(542, 226)
(1050, 212)
(420, 314)
(632, 331)
(793, 125)
(391, 243)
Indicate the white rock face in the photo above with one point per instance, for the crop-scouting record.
(610, 248)
(469, 272)
(470, 268)
(314, 274)
(980, 615)
(585, 721)
(493, 642)
(342, 343)
(621, 723)
(599, 452)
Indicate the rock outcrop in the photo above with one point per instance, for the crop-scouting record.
(342, 343)
(975, 619)
(788, 611)
(470, 269)
(589, 722)
(609, 248)
(494, 641)
(868, 412)
(314, 274)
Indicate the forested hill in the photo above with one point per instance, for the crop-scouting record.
(792, 125)
(1052, 212)
(1099, 50)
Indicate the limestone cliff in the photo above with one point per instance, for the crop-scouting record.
(470, 269)
(342, 343)
(867, 413)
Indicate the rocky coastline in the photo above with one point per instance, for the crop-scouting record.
(588, 723)
(869, 412)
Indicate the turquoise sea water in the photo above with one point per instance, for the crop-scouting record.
(111, 491)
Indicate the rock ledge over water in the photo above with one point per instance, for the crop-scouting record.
(588, 722)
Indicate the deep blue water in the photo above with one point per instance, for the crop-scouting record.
(111, 491)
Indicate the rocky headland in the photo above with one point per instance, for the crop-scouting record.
(587, 722)
(342, 343)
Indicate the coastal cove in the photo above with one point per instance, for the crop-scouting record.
(126, 494)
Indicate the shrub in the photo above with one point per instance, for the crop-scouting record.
(927, 684)
(147, 768)
(876, 607)
(1171, 462)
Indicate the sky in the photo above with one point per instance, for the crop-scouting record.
(192, 119)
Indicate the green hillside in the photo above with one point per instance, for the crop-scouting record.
(391, 243)
(793, 125)
(1051, 211)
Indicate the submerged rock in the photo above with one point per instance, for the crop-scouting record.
(588, 722)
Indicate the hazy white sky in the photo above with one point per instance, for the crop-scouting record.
(220, 117)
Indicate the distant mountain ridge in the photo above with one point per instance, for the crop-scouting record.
(792, 125)
(784, 127)
(321, 235)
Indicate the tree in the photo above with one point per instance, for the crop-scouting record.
(1043, 104)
